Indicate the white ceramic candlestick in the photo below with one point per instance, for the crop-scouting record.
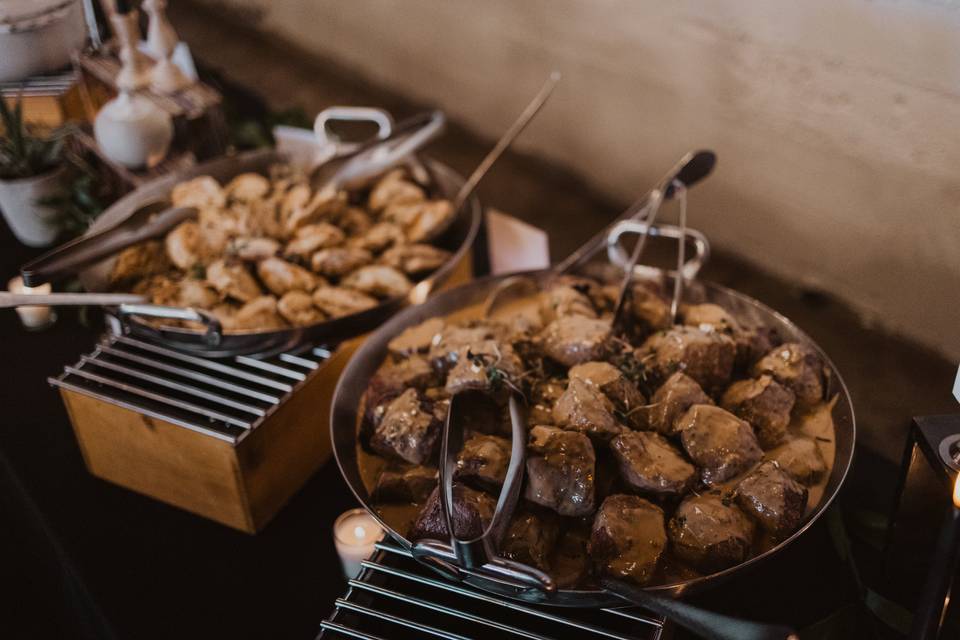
(134, 66)
(166, 77)
(354, 534)
(34, 318)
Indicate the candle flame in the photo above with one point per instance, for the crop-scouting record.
(956, 492)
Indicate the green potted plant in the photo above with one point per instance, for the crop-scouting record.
(31, 170)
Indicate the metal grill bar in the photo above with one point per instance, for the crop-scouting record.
(188, 373)
(410, 624)
(432, 606)
(163, 382)
(272, 368)
(204, 363)
(394, 594)
(214, 415)
(211, 397)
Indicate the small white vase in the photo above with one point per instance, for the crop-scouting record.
(33, 224)
(133, 131)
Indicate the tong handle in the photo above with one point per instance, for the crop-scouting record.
(374, 158)
(10, 300)
(330, 143)
(479, 556)
(69, 257)
(214, 330)
(703, 623)
(618, 255)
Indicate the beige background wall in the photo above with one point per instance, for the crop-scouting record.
(837, 122)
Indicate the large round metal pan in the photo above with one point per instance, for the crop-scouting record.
(356, 376)
(457, 239)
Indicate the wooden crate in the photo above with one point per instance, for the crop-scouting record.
(242, 483)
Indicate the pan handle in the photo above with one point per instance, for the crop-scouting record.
(619, 256)
(705, 624)
(214, 331)
(478, 557)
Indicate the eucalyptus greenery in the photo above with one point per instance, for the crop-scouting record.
(22, 153)
(81, 199)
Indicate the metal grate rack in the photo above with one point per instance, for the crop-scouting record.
(225, 399)
(395, 598)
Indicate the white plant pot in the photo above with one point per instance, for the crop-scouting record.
(33, 224)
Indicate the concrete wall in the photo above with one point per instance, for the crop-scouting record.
(837, 122)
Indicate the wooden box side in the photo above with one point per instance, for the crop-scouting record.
(162, 460)
(278, 457)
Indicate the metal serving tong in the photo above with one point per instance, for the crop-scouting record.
(693, 167)
(478, 557)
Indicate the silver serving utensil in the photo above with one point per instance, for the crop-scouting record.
(148, 222)
(473, 181)
(693, 167)
(378, 156)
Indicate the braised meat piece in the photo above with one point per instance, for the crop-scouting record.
(753, 344)
(416, 339)
(563, 300)
(710, 533)
(337, 301)
(774, 499)
(560, 471)
(483, 462)
(628, 538)
(624, 395)
(531, 537)
(718, 442)
(570, 562)
(709, 317)
(649, 464)
(582, 407)
(400, 483)
(337, 262)
(485, 366)
(671, 401)
(707, 357)
(801, 458)
(408, 431)
(415, 259)
(765, 404)
(796, 367)
(543, 396)
(472, 512)
(414, 372)
(574, 339)
(452, 341)
(648, 307)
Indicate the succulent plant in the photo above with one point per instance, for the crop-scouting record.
(25, 153)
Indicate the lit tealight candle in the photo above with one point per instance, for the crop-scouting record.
(354, 534)
(33, 317)
(936, 591)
